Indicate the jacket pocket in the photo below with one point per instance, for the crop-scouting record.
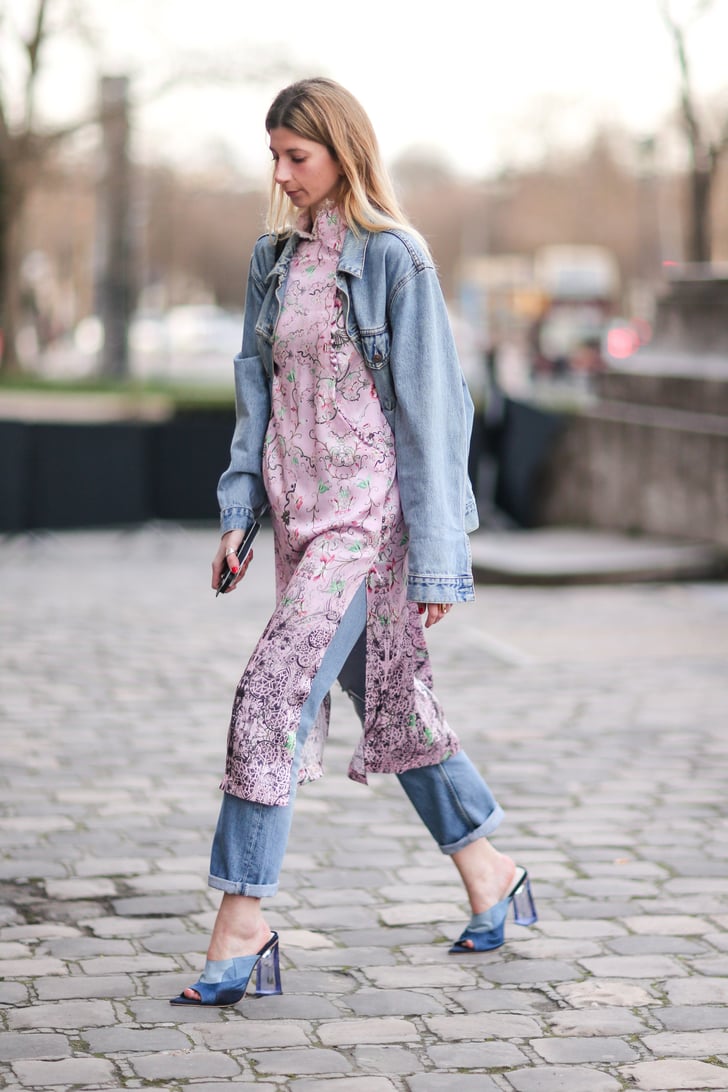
(375, 348)
(376, 352)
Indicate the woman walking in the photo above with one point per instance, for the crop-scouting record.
(353, 422)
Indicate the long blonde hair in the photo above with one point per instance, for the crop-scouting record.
(322, 110)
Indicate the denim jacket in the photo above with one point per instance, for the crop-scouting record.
(396, 316)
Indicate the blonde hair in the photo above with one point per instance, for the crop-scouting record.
(322, 110)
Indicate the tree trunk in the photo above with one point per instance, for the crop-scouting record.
(114, 241)
(699, 249)
(10, 258)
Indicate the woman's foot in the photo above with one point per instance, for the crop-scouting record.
(488, 876)
(239, 930)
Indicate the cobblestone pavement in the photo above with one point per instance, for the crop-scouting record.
(599, 716)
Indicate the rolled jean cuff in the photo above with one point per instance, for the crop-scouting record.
(252, 890)
(493, 821)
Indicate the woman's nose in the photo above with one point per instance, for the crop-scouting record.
(282, 173)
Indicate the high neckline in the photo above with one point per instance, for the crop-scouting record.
(328, 225)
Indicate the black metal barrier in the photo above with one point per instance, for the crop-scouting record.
(55, 476)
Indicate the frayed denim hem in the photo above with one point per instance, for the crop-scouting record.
(493, 821)
(253, 890)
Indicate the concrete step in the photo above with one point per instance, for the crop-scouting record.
(565, 555)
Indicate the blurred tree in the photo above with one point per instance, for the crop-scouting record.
(706, 148)
(27, 146)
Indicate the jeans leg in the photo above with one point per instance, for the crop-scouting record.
(250, 839)
(453, 801)
(451, 798)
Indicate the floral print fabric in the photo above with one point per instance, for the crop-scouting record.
(330, 474)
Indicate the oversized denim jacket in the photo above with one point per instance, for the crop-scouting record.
(396, 316)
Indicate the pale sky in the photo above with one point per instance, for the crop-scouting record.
(482, 84)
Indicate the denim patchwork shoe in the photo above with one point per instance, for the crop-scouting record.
(224, 981)
(486, 930)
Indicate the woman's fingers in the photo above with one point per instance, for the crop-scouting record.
(435, 612)
(225, 557)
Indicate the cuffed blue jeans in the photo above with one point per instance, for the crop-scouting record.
(451, 798)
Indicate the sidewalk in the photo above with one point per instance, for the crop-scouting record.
(598, 714)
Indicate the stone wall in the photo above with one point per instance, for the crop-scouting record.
(651, 454)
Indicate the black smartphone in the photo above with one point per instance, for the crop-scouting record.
(242, 552)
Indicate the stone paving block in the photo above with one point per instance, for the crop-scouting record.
(562, 1079)
(86, 1072)
(141, 964)
(595, 992)
(123, 1040)
(299, 1061)
(177, 906)
(132, 927)
(340, 959)
(502, 1000)
(391, 1060)
(577, 1051)
(367, 1030)
(13, 993)
(697, 991)
(414, 913)
(31, 967)
(518, 971)
(29, 1045)
(13, 950)
(237, 1034)
(646, 967)
(168, 882)
(111, 866)
(688, 1044)
(304, 938)
(343, 1084)
(393, 1003)
(551, 948)
(87, 888)
(495, 1025)
(64, 1014)
(664, 1075)
(184, 1065)
(598, 1021)
(405, 977)
(36, 932)
(469, 1056)
(668, 925)
(293, 1007)
(656, 945)
(709, 965)
(691, 1017)
(451, 1082)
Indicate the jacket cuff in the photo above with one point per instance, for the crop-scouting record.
(433, 588)
(236, 518)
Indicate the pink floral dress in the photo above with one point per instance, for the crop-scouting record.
(329, 468)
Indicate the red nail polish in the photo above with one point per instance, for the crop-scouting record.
(235, 569)
(421, 608)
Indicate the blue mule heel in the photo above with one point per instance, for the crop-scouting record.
(486, 931)
(224, 981)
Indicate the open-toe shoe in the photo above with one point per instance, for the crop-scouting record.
(224, 981)
(485, 931)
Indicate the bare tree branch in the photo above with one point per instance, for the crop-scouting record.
(33, 47)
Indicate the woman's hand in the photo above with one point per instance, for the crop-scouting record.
(435, 612)
(225, 559)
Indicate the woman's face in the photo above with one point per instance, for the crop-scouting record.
(305, 169)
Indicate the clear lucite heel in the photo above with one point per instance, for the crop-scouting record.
(268, 973)
(524, 908)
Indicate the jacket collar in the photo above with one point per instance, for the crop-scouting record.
(351, 261)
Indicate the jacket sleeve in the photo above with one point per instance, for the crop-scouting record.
(433, 419)
(241, 492)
